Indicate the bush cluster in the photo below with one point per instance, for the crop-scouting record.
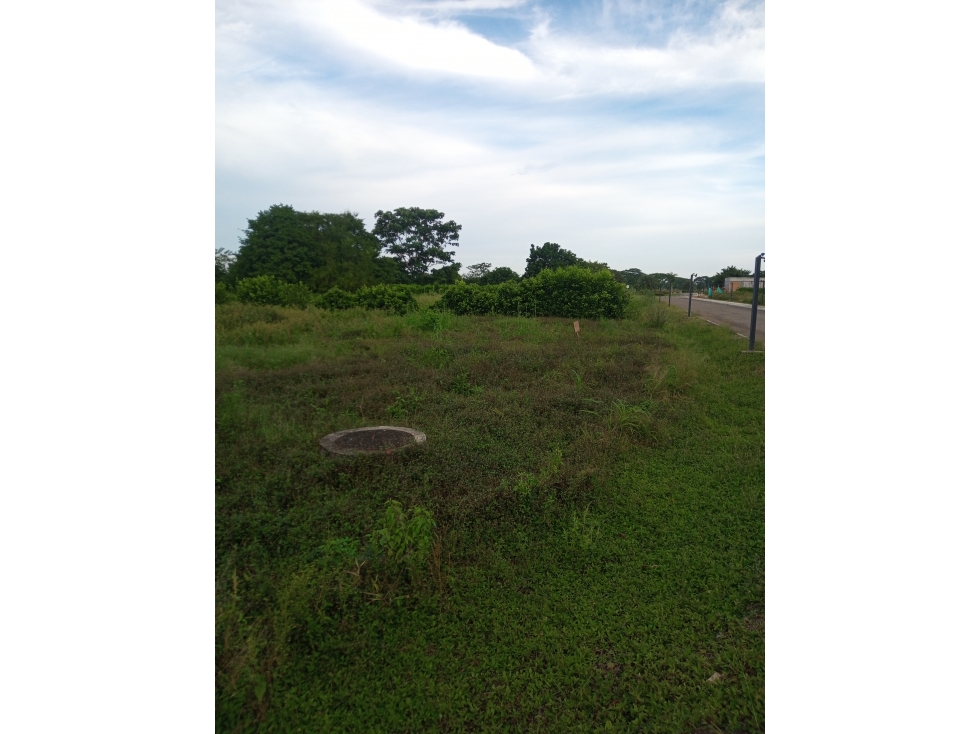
(267, 290)
(397, 299)
(222, 294)
(574, 292)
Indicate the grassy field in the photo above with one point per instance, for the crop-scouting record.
(597, 559)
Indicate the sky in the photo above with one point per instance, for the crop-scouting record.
(628, 131)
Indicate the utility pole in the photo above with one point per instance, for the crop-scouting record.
(754, 303)
(690, 299)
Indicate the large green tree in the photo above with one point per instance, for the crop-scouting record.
(486, 274)
(474, 273)
(636, 278)
(321, 250)
(499, 275)
(730, 271)
(549, 256)
(417, 239)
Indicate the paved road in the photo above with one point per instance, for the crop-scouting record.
(735, 315)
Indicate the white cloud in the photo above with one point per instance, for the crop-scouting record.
(732, 51)
(548, 63)
(450, 6)
(445, 47)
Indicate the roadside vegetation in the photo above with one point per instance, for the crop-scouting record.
(579, 545)
(741, 295)
(295, 258)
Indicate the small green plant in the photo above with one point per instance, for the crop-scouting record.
(434, 321)
(460, 385)
(438, 358)
(622, 417)
(578, 377)
(625, 417)
(405, 404)
(405, 538)
(583, 529)
(339, 551)
(655, 380)
(527, 482)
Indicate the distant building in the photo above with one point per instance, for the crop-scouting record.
(747, 281)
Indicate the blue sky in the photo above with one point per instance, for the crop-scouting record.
(630, 132)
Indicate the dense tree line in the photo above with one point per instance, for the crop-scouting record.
(409, 245)
(638, 280)
(326, 251)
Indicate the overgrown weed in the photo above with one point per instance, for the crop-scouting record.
(583, 530)
(405, 404)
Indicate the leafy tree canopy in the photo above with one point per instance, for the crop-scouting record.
(417, 239)
(500, 275)
(549, 256)
(321, 250)
(636, 278)
(223, 260)
(486, 274)
(447, 274)
(388, 270)
(477, 271)
(729, 272)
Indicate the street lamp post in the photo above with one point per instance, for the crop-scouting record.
(690, 299)
(754, 303)
(669, 298)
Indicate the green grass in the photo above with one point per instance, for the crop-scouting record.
(598, 550)
(741, 295)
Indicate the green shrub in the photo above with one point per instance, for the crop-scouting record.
(262, 289)
(296, 295)
(394, 298)
(222, 294)
(405, 404)
(387, 298)
(434, 320)
(335, 299)
(573, 292)
(267, 290)
(404, 536)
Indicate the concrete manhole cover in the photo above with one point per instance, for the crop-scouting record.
(375, 439)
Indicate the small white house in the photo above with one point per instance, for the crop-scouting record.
(747, 281)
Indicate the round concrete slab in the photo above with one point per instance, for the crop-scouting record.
(370, 440)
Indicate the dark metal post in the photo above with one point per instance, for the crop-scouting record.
(669, 298)
(690, 299)
(754, 303)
